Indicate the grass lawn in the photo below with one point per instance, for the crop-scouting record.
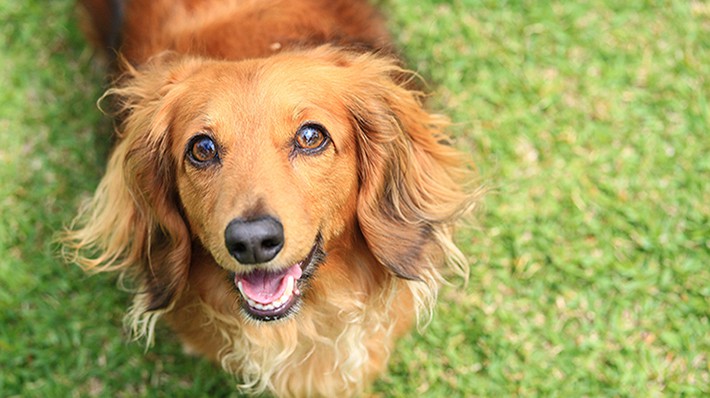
(590, 256)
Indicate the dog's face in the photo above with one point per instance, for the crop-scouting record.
(273, 166)
(265, 169)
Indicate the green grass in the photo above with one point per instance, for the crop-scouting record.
(590, 275)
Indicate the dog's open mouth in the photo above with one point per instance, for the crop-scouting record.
(268, 295)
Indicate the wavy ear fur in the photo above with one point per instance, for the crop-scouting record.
(411, 181)
(133, 224)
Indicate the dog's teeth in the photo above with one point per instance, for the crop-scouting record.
(288, 292)
(289, 286)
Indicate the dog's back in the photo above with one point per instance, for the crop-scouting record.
(230, 29)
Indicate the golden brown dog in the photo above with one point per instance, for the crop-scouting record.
(277, 191)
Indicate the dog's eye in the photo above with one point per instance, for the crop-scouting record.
(311, 138)
(202, 150)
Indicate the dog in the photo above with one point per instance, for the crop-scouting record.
(277, 191)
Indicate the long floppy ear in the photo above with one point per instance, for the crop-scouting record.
(133, 224)
(411, 180)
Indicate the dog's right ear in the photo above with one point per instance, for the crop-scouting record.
(134, 224)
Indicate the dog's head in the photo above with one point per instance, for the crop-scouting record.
(269, 164)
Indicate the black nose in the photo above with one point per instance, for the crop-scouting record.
(254, 241)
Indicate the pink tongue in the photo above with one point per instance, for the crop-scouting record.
(265, 286)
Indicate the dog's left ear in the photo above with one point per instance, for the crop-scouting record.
(410, 177)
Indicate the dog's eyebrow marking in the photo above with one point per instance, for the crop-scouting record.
(207, 122)
(299, 110)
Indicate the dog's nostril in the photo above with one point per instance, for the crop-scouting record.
(270, 244)
(254, 241)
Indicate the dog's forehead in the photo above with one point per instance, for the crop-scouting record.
(253, 79)
(257, 97)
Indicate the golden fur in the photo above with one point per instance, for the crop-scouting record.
(382, 198)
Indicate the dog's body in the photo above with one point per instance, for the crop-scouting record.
(279, 195)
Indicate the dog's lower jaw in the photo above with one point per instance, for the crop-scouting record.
(334, 346)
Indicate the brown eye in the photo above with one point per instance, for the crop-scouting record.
(311, 138)
(202, 150)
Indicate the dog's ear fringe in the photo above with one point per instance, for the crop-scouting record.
(131, 224)
(414, 187)
(141, 323)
